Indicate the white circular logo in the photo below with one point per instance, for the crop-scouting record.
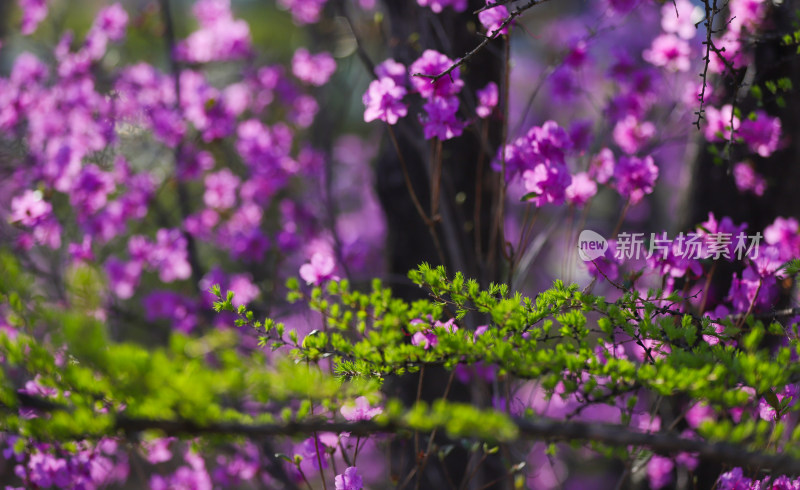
(591, 245)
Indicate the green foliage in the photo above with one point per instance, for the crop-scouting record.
(563, 337)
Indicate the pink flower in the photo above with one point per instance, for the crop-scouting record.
(733, 480)
(659, 471)
(487, 100)
(548, 182)
(304, 11)
(313, 69)
(220, 37)
(29, 209)
(221, 189)
(426, 339)
(699, 413)
(746, 14)
(449, 326)
(361, 410)
(433, 63)
(783, 233)
(112, 22)
(493, 18)
(581, 189)
(602, 166)
(631, 134)
(243, 288)
(392, 69)
(747, 179)
(33, 12)
(350, 480)
(384, 101)
(719, 123)
(319, 269)
(669, 51)
(682, 24)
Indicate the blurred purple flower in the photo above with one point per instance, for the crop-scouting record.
(350, 479)
(383, 100)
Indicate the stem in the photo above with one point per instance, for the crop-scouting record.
(355, 455)
(752, 305)
(621, 219)
(705, 288)
(417, 204)
(498, 229)
(424, 462)
(319, 462)
(478, 197)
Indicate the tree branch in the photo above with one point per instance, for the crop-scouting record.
(490, 37)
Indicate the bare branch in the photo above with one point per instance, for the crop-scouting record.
(490, 37)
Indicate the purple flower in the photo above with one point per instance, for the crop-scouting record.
(123, 277)
(742, 293)
(631, 134)
(82, 251)
(433, 63)
(669, 51)
(392, 69)
(699, 413)
(33, 12)
(487, 100)
(313, 69)
(714, 231)
(384, 101)
(440, 119)
(157, 450)
(360, 411)
(350, 480)
(493, 18)
(733, 480)
(635, 177)
(179, 310)
(264, 149)
(112, 21)
(220, 37)
(783, 233)
(319, 269)
(622, 7)
(548, 182)
(304, 11)
(659, 471)
(439, 5)
(577, 55)
(564, 84)
(427, 339)
(221, 189)
(761, 134)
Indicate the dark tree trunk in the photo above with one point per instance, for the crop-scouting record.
(409, 240)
